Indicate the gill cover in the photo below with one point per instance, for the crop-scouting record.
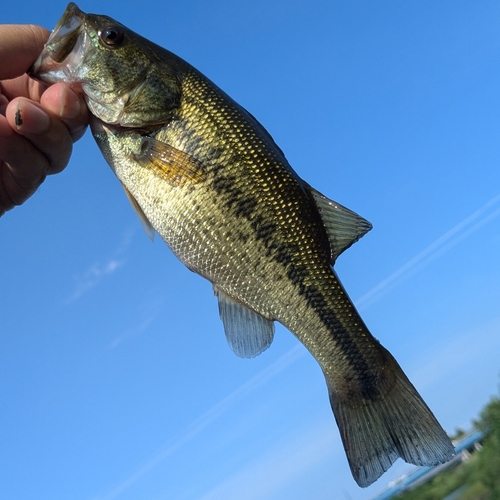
(124, 81)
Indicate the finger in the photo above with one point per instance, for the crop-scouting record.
(47, 134)
(20, 45)
(11, 192)
(22, 86)
(3, 104)
(59, 99)
(69, 106)
(19, 180)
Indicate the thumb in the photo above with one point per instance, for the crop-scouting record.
(20, 45)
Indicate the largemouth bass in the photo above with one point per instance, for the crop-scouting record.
(208, 178)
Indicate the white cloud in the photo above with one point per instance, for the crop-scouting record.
(92, 277)
(89, 279)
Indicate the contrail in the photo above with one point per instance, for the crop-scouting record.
(447, 241)
(209, 416)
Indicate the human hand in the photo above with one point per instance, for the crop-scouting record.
(38, 125)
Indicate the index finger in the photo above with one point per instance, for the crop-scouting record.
(20, 45)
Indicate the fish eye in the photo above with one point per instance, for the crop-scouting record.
(112, 35)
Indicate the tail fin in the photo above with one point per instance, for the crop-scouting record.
(376, 431)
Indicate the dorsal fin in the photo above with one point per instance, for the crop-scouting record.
(343, 226)
(146, 225)
(247, 332)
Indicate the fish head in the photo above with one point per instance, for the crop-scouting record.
(123, 80)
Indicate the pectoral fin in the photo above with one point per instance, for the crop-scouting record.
(343, 226)
(247, 332)
(171, 164)
(146, 225)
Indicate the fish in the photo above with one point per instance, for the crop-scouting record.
(204, 174)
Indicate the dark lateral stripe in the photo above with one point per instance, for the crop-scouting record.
(243, 205)
(342, 337)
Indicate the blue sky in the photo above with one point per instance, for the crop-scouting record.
(115, 378)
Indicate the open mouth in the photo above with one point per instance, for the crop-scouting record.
(63, 38)
(60, 44)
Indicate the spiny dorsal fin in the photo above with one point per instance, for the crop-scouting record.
(343, 226)
(171, 164)
(146, 225)
(247, 332)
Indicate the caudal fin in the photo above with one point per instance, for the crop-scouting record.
(395, 423)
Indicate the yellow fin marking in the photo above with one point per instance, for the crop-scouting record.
(174, 166)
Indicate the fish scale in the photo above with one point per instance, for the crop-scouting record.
(205, 174)
(302, 233)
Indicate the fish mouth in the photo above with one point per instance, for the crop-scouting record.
(63, 38)
(62, 42)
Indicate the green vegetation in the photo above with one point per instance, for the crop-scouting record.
(476, 479)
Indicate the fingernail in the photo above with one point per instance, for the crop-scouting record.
(31, 119)
(70, 104)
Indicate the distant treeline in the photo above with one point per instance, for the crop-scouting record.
(475, 479)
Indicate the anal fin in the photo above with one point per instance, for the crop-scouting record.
(247, 332)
